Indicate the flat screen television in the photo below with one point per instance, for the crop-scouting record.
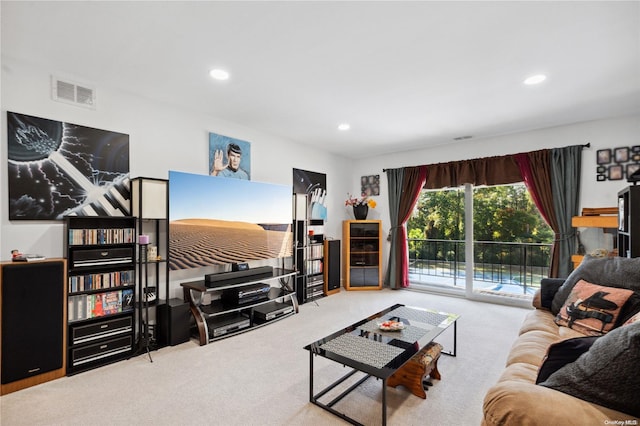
(218, 221)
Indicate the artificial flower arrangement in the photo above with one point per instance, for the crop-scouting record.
(355, 202)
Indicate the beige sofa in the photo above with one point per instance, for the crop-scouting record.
(516, 399)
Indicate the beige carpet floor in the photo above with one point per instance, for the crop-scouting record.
(262, 377)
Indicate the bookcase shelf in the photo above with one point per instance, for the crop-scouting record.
(101, 278)
(629, 222)
(308, 251)
(150, 206)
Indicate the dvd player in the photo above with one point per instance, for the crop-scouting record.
(227, 324)
(271, 310)
(245, 294)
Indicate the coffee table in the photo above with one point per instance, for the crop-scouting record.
(366, 348)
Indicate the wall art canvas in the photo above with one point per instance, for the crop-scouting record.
(315, 186)
(217, 221)
(57, 169)
(229, 157)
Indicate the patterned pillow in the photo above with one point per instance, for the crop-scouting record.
(621, 272)
(592, 309)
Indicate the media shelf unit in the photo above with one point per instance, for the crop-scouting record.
(101, 281)
(150, 206)
(308, 251)
(362, 254)
(219, 319)
(629, 222)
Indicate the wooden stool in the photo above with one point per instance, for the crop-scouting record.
(411, 374)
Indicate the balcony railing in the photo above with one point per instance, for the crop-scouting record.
(502, 266)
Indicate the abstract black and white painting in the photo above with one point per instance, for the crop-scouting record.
(315, 186)
(58, 169)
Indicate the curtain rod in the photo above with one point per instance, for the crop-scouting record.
(586, 145)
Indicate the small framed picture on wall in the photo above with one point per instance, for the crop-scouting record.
(631, 169)
(621, 154)
(615, 172)
(604, 156)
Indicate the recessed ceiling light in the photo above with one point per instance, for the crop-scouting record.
(219, 74)
(344, 127)
(535, 79)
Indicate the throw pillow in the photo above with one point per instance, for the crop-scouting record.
(635, 318)
(629, 309)
(620, 272)
(562, 353)
(607, 374)
(592, 309)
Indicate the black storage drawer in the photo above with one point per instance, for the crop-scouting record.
(99, 330)
(102, 256)
(100, 350)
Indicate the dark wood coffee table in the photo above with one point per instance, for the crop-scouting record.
(377, 353)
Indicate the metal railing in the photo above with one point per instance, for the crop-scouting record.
(505, 266)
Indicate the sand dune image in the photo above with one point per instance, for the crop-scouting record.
(196, 242)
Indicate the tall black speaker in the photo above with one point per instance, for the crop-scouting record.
(33, 323)
(331, 266)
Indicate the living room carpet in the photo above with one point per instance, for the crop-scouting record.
(262, 377)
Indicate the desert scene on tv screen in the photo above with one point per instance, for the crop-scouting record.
(217, 221)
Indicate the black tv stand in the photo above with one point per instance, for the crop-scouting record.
(217, 319)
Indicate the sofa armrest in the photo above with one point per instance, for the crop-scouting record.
(548, 289)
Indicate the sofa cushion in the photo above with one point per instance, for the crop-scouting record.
(562, 353)
(607, 373)
(592, 309)
(620, 272)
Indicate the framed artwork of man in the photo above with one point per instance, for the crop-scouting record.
(229, 157)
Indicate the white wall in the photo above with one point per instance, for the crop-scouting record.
(162, 138)
(602, 134)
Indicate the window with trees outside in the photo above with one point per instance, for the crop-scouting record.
(509, 243)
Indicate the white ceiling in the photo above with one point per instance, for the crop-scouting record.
(405, 75)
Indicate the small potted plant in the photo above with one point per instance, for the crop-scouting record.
(360, 205)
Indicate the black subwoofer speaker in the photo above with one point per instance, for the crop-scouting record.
(174, 318)
(332, 265)
(33, 302)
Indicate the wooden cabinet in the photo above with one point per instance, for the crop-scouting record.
(101, 256)
(604, 220)
(362, 254)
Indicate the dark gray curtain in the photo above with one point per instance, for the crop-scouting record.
(395, 178)
(566, 166)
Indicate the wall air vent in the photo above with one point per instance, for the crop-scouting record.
(73, 93)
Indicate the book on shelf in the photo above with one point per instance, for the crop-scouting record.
(28, 257)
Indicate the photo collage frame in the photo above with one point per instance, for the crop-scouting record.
(617, 163)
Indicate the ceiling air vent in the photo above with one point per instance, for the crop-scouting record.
(72, 93)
